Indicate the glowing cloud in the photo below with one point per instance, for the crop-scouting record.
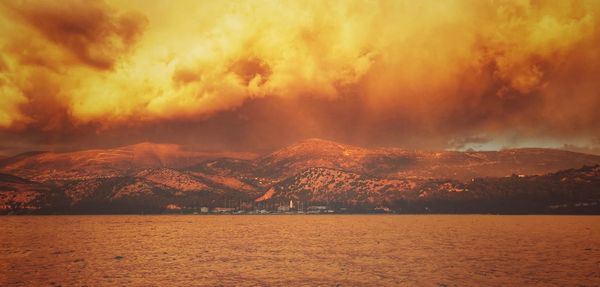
(455, 67)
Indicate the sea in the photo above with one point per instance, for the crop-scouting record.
(300, 250)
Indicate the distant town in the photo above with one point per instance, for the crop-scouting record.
(293, 207)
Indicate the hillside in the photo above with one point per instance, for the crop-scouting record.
(21, 194)
(324, 185)
(568, 191)
(48, 166)
(271, 168)
(399, 163)
(152, 189)
(149, 177)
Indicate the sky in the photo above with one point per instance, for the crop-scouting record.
(257, 75)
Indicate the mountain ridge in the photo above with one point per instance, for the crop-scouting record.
(43, 166)
(149, 177)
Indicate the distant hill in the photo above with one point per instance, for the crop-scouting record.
(21, 194)
(400, 163)
(325, 185)
(148, 177)
(149, 190)
(48, 166)
(4, 161)
(288, 161)
(568, 191)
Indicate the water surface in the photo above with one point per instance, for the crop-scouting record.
(328, 250)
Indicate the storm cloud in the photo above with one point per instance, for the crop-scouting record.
(257, 75)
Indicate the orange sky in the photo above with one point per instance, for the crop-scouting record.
(259, 74)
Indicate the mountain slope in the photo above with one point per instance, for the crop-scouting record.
(399, 163)
(88, 164)
(330, 186)
(324, 185)
(19, 194)
(168, 183)
(149, 177)
(568, 191)
(467, 165)
(311, 153)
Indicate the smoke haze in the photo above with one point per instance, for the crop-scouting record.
(261, 74)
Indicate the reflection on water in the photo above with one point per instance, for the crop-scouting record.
(344, 250)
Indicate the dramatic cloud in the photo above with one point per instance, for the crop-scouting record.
(251, 75)
(91, 31)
